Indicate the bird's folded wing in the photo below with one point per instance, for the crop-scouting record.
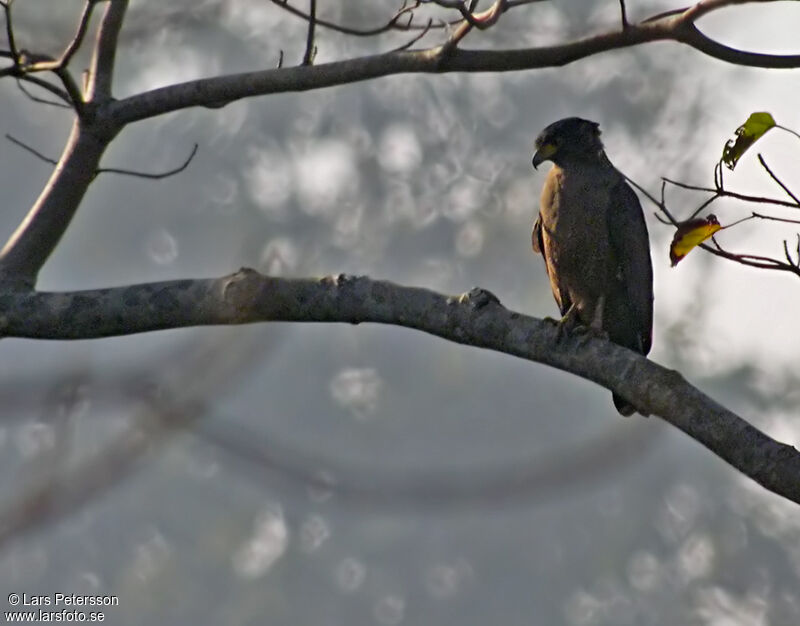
(628, 237)
(536, 236)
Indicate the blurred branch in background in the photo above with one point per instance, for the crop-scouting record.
(161, 407)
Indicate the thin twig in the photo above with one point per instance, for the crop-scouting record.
(773, 219)
(311, 49)
(159, 176)
(752, 216)
(43, 63)
(416, 38)
(12, 44)
(669, 13)
(732, 194)
(33, 151)
(392, 24)
(776, 179)
(459, 6)
(661, 205)
(751, 260)
(623, 15)
(77, 40)
(788, 130)
(704, 205)
(39, 82)
(39, 100)
(111, 170)
(789, 256)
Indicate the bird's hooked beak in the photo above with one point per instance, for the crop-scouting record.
(543, 154)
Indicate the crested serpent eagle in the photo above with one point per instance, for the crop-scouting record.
(592, 235)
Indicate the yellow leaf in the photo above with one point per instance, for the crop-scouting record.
(746, 135)
(690, 234)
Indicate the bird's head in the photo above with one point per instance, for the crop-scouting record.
(572, 138)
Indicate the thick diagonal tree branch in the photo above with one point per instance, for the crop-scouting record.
(39, 233)
(473, 319)
(37, 236)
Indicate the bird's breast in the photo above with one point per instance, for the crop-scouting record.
(574, 211)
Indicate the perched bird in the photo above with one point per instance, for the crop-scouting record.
(593, 237)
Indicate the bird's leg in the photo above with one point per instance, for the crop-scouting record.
(571, 324)
(570, 321)
(568, 324)
(595, 328)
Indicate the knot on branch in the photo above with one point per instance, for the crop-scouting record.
(478, 298)
(241, 286)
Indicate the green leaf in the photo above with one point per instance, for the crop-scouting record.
(746, 135)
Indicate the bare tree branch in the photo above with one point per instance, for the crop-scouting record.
(12, 44)
(36, 237)
(77, 40)
(725, 193)
(23, 64)
(311, 49)
(777, 180)
(101, 74)
(474, 319)
(416, 37)
(153, 176)
(750, 260)
(392, 24)
(623, 15)
(45, 64)
(66, 103)
(33, 151)
(674, 27)
(112, 170)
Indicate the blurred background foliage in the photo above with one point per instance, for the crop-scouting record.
(337, 475)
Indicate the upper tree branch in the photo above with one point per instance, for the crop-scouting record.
(26, 63)
(101, 73)
(39, 233)
(77, 40)
(248, 297)
(211, 91)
